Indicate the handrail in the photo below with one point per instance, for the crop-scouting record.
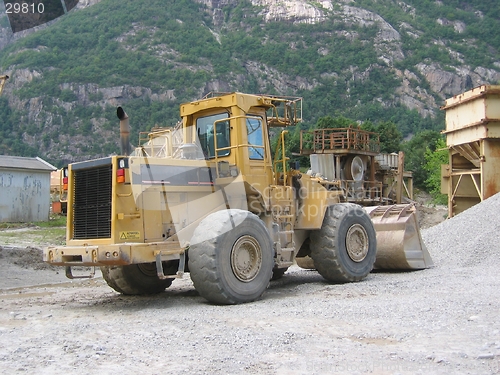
(292, 111)
(292, 107)
(283, 159)
(237, 146)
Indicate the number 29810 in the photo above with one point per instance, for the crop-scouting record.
(24, 8)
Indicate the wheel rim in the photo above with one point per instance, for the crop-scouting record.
(357, 243)
(246, 258)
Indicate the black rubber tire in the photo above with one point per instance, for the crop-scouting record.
(216, 242)
(135, 279)
(330, 252)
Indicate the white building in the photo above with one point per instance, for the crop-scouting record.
(24, 189)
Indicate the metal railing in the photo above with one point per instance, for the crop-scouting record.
(321, 140)
(288, 114)
(283, 110)
(236, 146)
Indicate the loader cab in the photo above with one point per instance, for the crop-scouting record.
(244, 135)
(240, 140)
(233, 129)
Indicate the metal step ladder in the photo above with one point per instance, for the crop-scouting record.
(285, 245)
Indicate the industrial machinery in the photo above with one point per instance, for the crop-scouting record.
(350, 159)
(59, 191)
(473, 141)
(210, 197)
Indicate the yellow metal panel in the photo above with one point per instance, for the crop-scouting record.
(112, 254)
(243, 101)
(473, 115)
(460, 204)
(463, 185)
(474, 94)
(471, 112)
(492, 106)
(313, 201)
(466, 135)
(490, 168)
(445, 178)
(473, 136)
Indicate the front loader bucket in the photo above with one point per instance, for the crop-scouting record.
(399, 244)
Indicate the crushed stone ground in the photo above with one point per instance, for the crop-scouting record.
(442, 320)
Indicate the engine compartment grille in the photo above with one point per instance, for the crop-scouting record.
(92, 202)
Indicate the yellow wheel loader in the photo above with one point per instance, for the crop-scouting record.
(209, 197)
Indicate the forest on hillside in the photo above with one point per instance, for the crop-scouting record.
(179, 46)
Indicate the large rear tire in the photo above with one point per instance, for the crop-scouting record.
(231, 257)
(344, 249)
(135, 279)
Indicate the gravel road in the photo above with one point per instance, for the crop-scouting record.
(443, 320)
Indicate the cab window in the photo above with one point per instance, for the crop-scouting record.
(213, 130)
(255, 138)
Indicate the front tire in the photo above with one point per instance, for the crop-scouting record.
(231, 257)
(344, 249)
(135, 279)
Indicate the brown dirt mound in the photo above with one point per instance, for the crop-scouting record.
(28, 257)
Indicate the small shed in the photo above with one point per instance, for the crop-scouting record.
(24, 189)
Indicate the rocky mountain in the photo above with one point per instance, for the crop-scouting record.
(375, 60)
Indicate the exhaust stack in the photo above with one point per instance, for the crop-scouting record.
(124, 132)
(3, 79)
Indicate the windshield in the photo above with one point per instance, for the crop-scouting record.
(213, 132)
(254, 131)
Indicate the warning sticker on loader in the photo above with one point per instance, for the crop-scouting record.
(130, 235)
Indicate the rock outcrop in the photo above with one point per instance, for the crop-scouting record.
(422, 86)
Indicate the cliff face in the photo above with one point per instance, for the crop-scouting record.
(315, 26)
(434, 83)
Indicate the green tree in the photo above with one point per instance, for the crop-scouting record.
(415, 150)
(433, 161)
(329, 122)
(390, 137)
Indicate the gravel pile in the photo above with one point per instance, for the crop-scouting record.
(468, 239)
